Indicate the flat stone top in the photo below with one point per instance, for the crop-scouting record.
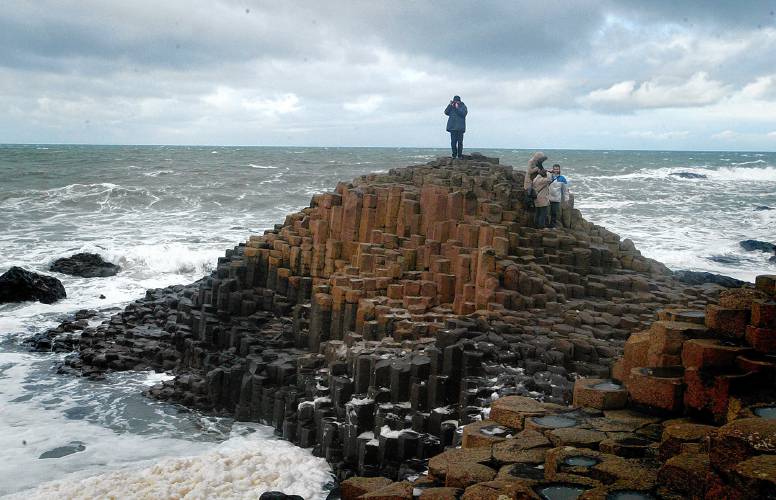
(518, 404)
(760, 433)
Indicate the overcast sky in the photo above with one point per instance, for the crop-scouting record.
(598, 74)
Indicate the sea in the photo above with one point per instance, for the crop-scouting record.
(166, 213)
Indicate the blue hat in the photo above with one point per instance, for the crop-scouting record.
(456, 98)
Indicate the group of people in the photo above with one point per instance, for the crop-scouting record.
(545, 191)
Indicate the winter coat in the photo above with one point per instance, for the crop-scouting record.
(559, 189)
(541, 186)
(533, 168)
(457, 117)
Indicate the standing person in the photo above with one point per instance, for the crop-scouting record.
(533, 168)
(456, 124)
(541, 185)
(559, 192)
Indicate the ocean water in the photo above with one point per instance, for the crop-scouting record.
(165, 214)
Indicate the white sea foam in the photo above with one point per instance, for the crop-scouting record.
(130, 446)
(153, 378)
(262, 166)
(173, 257)
(243, 467)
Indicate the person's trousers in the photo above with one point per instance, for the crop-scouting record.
(554, 213)
(456, 143)
(541, 217)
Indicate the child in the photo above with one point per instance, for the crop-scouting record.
(559, 192)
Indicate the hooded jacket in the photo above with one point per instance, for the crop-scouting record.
(457, 117)
(533, 168)
(541, 185)
(559, 189)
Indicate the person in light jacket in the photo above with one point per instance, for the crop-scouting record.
(559, 193)
(533, 168)
(456, 124)
(541, 185)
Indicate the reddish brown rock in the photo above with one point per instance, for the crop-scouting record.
(710, 353)
(764, 313)
(484, 434)
(356, 486)
(708, 393)
(394, 491)
(761, 339)
(511, 411)
(500, 490)
(599, 393)
(658, 388)
(676, 436)
(686, 474)
(463, 474)
(756, 476)
(741, 439)
(577, 437)
(727, 322)
(441, 493)
(439, 464)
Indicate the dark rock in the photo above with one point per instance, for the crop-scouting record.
(63, 451)
(277, 495)
(19, 285)
(730, 260)
(688, 175)
(700, 278)
(763, 246)
(86, 265)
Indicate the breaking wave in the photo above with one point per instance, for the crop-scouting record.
(738, 172)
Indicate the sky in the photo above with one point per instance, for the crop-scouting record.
(592, 74)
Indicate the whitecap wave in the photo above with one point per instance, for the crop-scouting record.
(174, 257)
(261, 166)
(738, 172)
(157, 173)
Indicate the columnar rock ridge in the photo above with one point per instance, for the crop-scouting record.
(693, 415)
(376, 322)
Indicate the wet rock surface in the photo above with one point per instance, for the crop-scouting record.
(752, 245)
(688, 175)
(63, 337)
(701, 278)
(86, 265)
(19, 285)
(374, 324)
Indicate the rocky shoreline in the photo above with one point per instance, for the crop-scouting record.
(405, 314)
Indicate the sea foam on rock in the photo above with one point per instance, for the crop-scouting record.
(19, 285)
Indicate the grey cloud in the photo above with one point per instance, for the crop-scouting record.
(148, 71)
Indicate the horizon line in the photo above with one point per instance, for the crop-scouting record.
(471, 150)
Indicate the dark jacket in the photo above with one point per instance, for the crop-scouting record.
(457, 120)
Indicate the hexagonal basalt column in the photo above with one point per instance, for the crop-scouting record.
(603, 394)
(659, 388)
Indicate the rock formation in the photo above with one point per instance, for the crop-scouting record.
(690, 413)
(376, 322)
(86, 265)
(19, 285)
